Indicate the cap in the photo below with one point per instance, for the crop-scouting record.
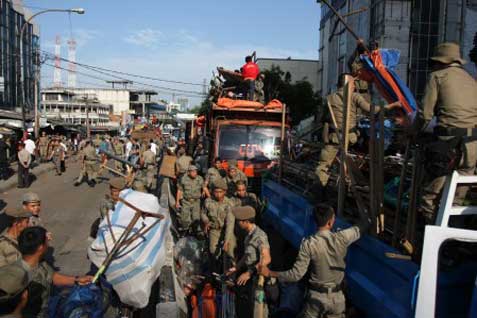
(447, 53)
(192, 168)
(243, 212)
(220, 184)
(14, 278)
(18, 213)
(117, 183)
(30, 197)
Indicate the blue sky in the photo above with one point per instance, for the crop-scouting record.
(179, 40)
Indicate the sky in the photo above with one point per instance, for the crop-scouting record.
(180, 40)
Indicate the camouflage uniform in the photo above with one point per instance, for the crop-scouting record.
(39, 290)
(324, 254)
(191, 192)
(331, 148)
(219, 216)
(213, 174)
(231, 182)
(9, 252)
(150, 166)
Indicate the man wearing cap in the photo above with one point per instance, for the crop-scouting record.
(57, 155)
(182, 163)
(218, 220)
(234, 174)
(116, 185)
(14, 280)
(149, 163)
(256, 251)
(213, 174)
(18, 220)
(89, 165)
(450, 96)
(31, 203)
(189, 192)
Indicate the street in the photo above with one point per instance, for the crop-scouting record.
(67, 212)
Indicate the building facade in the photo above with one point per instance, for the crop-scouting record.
(12, 17)
(65, 106)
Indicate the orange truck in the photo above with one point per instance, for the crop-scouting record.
(248, 132)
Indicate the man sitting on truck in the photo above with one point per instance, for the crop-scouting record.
(250, 71)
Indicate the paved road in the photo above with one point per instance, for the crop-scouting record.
(67, 212)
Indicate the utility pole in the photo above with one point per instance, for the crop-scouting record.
(88, 128)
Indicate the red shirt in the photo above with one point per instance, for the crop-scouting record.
(250, 71)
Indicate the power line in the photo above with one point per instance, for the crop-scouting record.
(129, 74)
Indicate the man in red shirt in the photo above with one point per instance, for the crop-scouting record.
(250, 72)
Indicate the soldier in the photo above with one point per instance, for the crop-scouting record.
(234, 175)
(182, 163)
(118, 148)
(116, 185)
(189, 192)
(149, 163)
(335, 116)
(259, 92)
(218, 220)
(33, 244)
(450, 95)
(14, 280)
(257, 250)
(324, 254)
(57, 155)
(43, 142)
(244, 198)
(355, 66)
(31, 203)
(17, 221)
(213, 174)
(89, 165)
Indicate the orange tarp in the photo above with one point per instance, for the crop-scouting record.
(239, 103)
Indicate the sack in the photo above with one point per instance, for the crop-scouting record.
(443, 156)
(79, 302)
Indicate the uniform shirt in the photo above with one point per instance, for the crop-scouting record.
(89, 153)
(43, 141)
(24, 157)
(38, 290)
(254, 242)
(450, 95)
(249, 199)
(231, 186)
(191, 188)
(35, 220)
(149, 158)
(9, 252)
(183, 163)
(250, 71)
(335, 101)
(213, 174)
(58, 152)
(325, 251)
(218, 214)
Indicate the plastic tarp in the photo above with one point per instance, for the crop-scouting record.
(136, 266)
(380, 69)
(240, 103)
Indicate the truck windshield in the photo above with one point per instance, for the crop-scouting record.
(257, 143)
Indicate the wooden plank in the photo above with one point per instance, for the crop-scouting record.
(168, 167)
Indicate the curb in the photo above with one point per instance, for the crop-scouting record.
(12, 182)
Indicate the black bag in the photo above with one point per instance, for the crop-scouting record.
(443, 157)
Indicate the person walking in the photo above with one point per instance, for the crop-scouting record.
(24, 162)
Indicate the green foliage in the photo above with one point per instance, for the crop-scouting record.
(202, 108)
(299, 97)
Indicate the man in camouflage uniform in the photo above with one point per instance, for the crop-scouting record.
(31, 203)
(14, 280)
(213, 174)
(57, 155)
(450, 95)
(335, 116)
(182, 163)
(244, 198)
(218, 220)
(116, 185)
(257, 251)
(356, 66)
(118, 148)
(89, 165)
(189, 192)
(18, 220)
(149, 164)
(323, 254)
(234, 174)
(43, 142)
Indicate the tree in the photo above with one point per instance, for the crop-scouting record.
(299, 97)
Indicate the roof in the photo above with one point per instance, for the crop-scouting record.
(14, 115)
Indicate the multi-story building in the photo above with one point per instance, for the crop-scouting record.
(12, 18)
(71, 108)
(412, 27)
(140, 102)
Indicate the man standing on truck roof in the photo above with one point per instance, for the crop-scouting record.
(334, 121)
(451, 96)
(250, 71)
(324, 254)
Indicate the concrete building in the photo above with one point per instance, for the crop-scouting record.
(184, 102)
(12, 17)
(413, 27)
(119, 98)
(71, 108)
(298, 69)
(140, 102)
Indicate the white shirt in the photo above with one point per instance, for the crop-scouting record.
(128, 148)
(30, 146)
(154, 148)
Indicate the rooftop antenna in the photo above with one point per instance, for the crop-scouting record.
(57, 72)
(72, 63)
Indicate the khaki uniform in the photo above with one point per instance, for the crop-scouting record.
(9, 252)
(191, 192)
(43, 142)
(118, 151)
(105, 205)
(90, 164)
(254, 242)
(231, 186)
(249, 199)
(58, 156)
(362, 87)
(213, 174)
(219, 216)
(150, 166)
(451, 96)
(324, 253)
(331, 148)
(39, 290)
(182, 164)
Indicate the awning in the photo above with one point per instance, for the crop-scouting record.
(9, 114)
